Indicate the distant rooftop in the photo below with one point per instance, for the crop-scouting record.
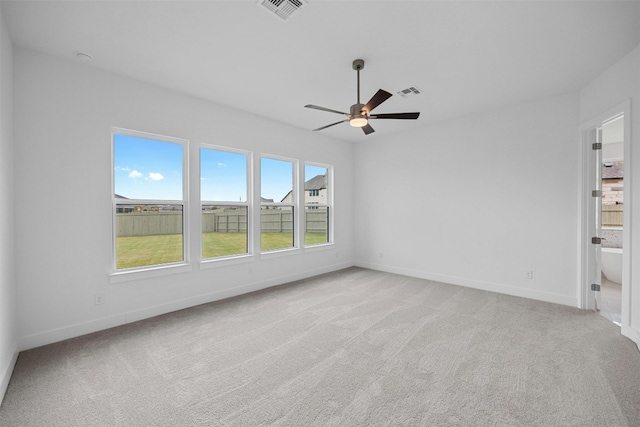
(318, 182)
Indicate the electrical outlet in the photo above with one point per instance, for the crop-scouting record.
(529, 275)
(98, 299)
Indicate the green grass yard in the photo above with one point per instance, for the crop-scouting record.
(137, 251)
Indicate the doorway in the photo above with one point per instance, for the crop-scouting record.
(604, 285)
(612, 218)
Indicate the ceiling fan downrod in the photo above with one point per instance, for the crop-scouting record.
(358, 64)
(358, 118)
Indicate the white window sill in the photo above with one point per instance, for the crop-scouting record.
(279, 253)
(144, 273)
(320, 247)
(220, 262)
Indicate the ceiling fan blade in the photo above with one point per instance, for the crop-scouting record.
(315, 107)
(332, 124)
(367, 129)
(377, 99)
(400, 116)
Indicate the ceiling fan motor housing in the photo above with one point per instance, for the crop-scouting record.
(357, 111)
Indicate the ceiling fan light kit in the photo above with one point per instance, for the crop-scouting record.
(358, 119)
(360, 114)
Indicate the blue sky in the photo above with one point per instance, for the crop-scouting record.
(152, 169)
(223, 176)
(276, 178)
(147, 169)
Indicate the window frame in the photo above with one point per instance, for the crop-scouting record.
(329, 204)
(248, 204)
(151, 270)
(294, 205)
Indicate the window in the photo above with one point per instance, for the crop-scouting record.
(278, 197)
(149, 191)
(317, 204)
(224, 202)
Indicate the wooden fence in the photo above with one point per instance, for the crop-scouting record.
(148, 223)
(276, 220)
(612, 215)
(231, 221)
(224, 221)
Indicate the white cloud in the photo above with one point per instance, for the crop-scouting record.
(135, 174)
(155, 176)
(125, 169)
(221, 165)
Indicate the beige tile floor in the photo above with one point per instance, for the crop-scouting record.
(610, 300)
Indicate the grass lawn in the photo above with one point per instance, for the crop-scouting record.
(136, 251)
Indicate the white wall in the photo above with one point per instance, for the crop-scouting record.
(8, 349)
(477, 201)
(621, 82)
(63, 117)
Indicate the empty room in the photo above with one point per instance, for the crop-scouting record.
(194, 231)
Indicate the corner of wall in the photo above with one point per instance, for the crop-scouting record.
(8, 293)
(6, 371)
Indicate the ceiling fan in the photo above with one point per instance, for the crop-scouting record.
(360, 114)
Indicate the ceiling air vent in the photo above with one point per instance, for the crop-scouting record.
(283, 9)
(410, 91)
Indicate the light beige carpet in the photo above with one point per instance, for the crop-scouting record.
(351, 348)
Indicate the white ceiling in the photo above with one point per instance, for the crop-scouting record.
(465, 56)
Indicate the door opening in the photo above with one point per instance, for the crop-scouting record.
(604, 267)
(611, 215)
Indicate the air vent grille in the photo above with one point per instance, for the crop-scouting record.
(283, 9)
(410, 91)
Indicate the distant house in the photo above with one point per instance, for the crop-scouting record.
(613, 182)
(315, 191)
(121, 207)
(129, 208)
(265, 200)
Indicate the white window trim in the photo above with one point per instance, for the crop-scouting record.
(152, 271)
(120, 275)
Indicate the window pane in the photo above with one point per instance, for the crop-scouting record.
(316, 209)
(276, 181)
(223, 176)
(317, 225)
(276, 224)
(148, 234)
(224, 231)
(146, 168)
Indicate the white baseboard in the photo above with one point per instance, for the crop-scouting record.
(632, 334)
(149, 312)
(79, 329)
(475, 284)
(71, 331)
(6, 371)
